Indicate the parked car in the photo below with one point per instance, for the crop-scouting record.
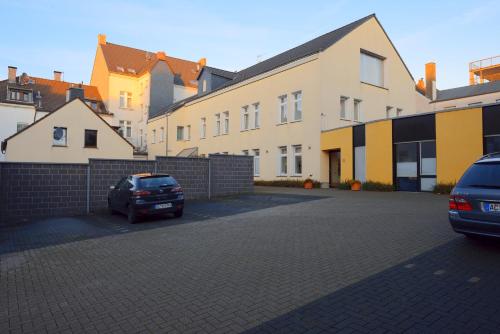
(474, 208)
(146, 194)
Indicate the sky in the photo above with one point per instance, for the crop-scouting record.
(42, 36)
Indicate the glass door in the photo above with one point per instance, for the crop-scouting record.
(427, 165)
(407, 166)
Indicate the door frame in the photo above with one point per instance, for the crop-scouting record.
(339, 151)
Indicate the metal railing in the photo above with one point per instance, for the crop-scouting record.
(486, 62)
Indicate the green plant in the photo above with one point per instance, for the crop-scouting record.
(345, 185)
(443, 188)
(377, 186)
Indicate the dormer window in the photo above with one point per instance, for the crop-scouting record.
(20, 95)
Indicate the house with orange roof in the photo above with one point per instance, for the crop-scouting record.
(136, 84)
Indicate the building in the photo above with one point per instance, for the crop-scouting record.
(136, 83)
(276, 109)
(73, 133)
(25, 99)
(413, 153)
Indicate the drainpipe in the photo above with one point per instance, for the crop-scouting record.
(166, 136)
(88, 188)
(209, 177)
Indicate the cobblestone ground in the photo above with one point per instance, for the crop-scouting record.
(289, 262)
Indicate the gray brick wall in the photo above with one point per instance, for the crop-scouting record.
(41, 190)
(191, 173)
(231, 174)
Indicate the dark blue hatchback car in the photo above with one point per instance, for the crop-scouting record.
(474, 208)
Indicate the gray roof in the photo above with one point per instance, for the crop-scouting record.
(217, 71)
(467, 91)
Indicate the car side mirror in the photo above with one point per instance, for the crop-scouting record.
(111, 187)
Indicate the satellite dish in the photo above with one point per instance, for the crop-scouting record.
(58, 133)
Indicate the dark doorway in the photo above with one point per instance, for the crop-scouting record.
(334, 158)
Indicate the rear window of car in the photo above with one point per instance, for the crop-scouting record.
(156, 181)
(482, 175)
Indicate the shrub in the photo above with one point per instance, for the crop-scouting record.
(443, 188)
(377, 186)
(286, 183)
(345, 185)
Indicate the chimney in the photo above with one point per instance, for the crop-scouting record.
(202, 63)
(74, 92)
(101, 39)
(421, 86)
(12, 73)
(161, 55)
(57, 75)
(430, 80)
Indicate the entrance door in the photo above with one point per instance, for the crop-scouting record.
(407, 166)
(334, 168)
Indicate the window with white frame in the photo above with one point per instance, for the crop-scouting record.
(203, 128)
(153, 140)
(125, 99)
(388, 112)
(245, 152)
(256, 162)
(245, 118)
(372, 69)
(60, 136)
(180, 133)
(162, 134)
(204, 85)
(226, 122)
(125, 128)
(297, 106)
(343, 107)
(188, 132)
(283, 161)
(217, 124)
(356, 115)
(297, 160)
(283, 109)
(256, 112)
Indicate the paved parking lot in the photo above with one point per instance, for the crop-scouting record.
(279, 260)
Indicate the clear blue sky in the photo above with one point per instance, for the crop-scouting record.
(41, 36)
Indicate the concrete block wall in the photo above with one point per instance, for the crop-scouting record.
(231, 174)
(191, 173)
(38, 190)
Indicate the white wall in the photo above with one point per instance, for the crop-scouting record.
(10, 115)
(181, 92)
(464, 102)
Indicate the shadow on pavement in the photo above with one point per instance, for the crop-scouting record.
(452, 288)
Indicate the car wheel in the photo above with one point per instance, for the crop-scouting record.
(132, 217)
(179, 213)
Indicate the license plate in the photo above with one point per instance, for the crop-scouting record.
(491, 207)
(163, 206)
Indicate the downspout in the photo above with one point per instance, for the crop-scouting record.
(166, 134)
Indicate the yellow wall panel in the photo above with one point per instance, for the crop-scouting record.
(459, 142)
(379, 151)
(340, 139)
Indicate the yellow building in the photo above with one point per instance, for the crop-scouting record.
(277, 109)
(73, 133)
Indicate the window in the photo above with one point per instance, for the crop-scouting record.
(491, 144)
(297, 106)
(162, 134)
(343, 107)
(125, 99)
(256, 111)
(60, 136)
(180, 133)
(399, 111)
(357, 110)
(244, 118)
(297, 159)
(282, 109)
(90, 138)
(141, 141)
(153, 140)
(18, 95)
(226, 122)
(244, 152)
(283, 160)
(125, 128)
(188, 132)
(388, 112)
(428, 158)
(21, 125)
(256, 162)
(217, 124)
(204, 85)
(372, 69)
(203, 128)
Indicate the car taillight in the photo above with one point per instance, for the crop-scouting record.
(459, 203)
(177, 189)
(140, 193)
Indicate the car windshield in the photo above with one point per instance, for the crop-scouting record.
(482, 175)
(156, 182)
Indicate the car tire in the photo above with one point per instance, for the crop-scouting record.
(132, 216)
(178, 213)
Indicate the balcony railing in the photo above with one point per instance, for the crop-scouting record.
(483, 63)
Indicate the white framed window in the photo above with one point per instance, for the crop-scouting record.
(297, 160)
(356, 114)
(297, 106)
(226, 122)
(204, 85)
(180, 133)
(282, 161)
(388, 112)
(188, 133)
(125, 99)
(372, 69)
(141, 139)
(60, 136)
(399, 112)
(256, 112)
(283, 117)
(343, 107)
(217, 124)
(245, 152)
(125, 128)
(21, 125)
(245, 118)
(256, 162)
(203, 128)
(153, 140)
(162, 134)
